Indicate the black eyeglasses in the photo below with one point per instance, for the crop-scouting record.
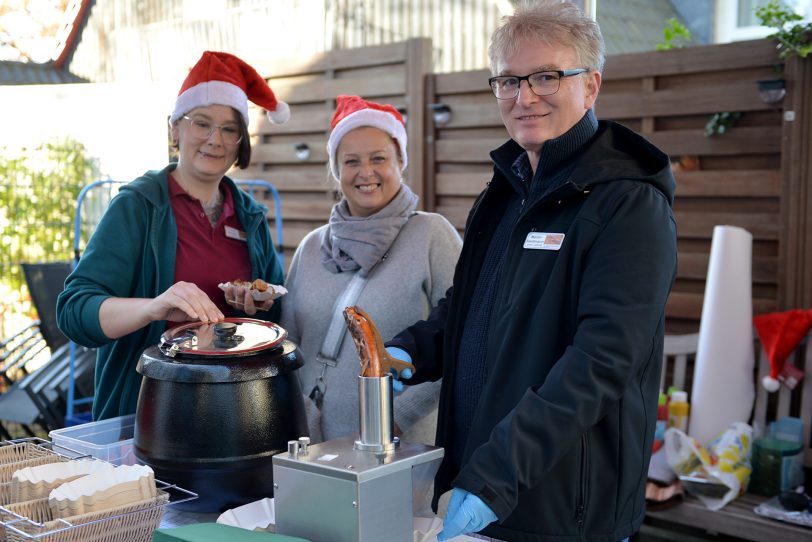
(203, 128)
(506, 87)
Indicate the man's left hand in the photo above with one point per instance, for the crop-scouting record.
(466, 514)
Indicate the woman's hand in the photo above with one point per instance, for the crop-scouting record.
(182, 302)
(241, 299)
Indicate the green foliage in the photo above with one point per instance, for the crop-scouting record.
(794, 38)
(38, 204)
(719, 123)
(675, 35)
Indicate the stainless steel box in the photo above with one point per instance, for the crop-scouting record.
(335, 493)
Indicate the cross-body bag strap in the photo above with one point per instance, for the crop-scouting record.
(328, 353)
(338, 327)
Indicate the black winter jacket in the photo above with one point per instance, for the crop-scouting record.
(561, 438)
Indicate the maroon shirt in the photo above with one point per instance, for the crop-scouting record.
(206, 255)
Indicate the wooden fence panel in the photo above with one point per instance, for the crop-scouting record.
(736, 178)
(756, 175)
(393, 73)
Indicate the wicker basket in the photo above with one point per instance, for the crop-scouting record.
(132, 523)
(21, 451)
(33, 520)
(19, 456)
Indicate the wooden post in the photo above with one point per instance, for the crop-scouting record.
(795, 271)
(418, 64)
(648, 86)
(428, 140)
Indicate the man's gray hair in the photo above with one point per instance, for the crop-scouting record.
(553, 22)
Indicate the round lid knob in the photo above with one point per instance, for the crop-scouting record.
(225, 329)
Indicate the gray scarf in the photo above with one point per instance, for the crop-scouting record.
(353, 242)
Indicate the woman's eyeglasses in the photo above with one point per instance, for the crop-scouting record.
(203, 128)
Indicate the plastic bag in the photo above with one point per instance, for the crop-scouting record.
(718, 474)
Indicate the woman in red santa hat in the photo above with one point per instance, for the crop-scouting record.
(376, 243)
(172, 235)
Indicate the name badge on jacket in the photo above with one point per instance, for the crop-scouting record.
(543, 241)
(234, 233)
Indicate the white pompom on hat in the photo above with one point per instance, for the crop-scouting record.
(354, 112)
(224, 79)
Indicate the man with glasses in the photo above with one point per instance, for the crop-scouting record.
(550, 340)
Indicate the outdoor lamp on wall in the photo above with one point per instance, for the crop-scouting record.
(441, 114)
(772, 90)
(302, 151)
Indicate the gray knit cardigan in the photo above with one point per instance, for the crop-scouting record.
(401, 290)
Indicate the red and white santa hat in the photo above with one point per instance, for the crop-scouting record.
(223, 79)
(780, 334)
(354, 112)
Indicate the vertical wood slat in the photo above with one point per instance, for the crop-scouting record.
(680, 365)
(760, 408)
(429, 174)
(806, 397)
(418, 65)
(677, 348)
(795, 270)
(647, 123)
(784, 401)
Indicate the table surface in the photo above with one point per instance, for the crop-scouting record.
(177, 518)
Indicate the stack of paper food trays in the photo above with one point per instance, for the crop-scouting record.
(34, 519)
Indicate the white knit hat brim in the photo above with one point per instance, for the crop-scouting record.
(210, 93)
(366, 117)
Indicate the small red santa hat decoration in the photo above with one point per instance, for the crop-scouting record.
(354, 112)
(780, 334)
(224, 79)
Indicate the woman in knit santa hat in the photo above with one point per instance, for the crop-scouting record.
(376, 243)
(172, 235)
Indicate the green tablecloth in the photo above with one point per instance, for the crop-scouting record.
(215, 532)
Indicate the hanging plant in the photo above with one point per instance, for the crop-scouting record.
(720, 123)
(794, 38)
(675, 36)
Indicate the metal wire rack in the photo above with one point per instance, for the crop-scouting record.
(31, 520)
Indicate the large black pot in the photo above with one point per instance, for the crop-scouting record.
(212, 423)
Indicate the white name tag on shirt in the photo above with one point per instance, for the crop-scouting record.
(543, 241)
(234, 233)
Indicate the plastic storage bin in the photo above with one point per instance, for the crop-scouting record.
(110, 440)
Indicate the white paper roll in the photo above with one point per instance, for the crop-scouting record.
(723, 389)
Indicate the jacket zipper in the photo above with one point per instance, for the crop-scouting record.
(580, 510)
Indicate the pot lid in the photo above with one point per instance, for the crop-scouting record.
(231, 337)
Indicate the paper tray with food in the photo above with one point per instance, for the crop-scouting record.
(45, 519)
(260, 290)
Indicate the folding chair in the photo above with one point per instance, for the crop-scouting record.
(45, 282)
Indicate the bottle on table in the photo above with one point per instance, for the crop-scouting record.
(678, 410)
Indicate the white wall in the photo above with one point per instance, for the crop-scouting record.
(123, 126)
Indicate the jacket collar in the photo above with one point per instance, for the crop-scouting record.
(511, 159)
(157, 193)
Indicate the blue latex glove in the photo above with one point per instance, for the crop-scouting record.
(402, 355)
(466, 514)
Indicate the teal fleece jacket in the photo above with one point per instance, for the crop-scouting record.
(132, 254)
